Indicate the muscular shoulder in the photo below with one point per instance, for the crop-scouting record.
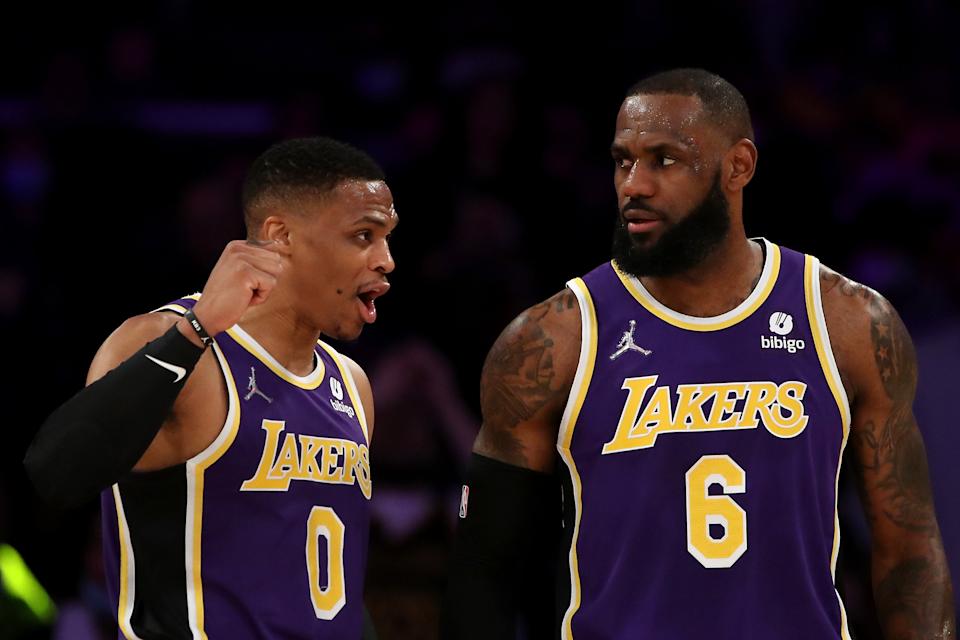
(872, 346)
(525, 382)
(534, 359)
(127, 339)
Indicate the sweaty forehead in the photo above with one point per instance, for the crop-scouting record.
(351, 201)
(365, 194)
(677, 116)
(356, 198)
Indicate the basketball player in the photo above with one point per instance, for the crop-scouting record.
(246, 512)
(697, 395)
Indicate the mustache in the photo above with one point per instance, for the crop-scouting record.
(639, 205)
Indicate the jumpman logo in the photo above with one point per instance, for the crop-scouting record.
(252, 388)
(627, 343)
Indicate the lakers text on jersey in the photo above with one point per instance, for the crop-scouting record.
(264, 533)
(702, 457)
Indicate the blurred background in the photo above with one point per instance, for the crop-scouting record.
(124, 137)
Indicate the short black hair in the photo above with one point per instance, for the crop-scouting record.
(724, 105)
(300, 167)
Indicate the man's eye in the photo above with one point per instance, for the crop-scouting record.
(622, 163)
(666, 161)
(365, 236)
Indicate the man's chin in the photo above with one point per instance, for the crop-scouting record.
(644, 240)
(347, 332)
(636, 247)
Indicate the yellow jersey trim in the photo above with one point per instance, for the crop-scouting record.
(194, 525)
(310, 381)
(127, 570)
(352, 391)
(177, 308)
(768, 278)
(578, 393)
(821, 338)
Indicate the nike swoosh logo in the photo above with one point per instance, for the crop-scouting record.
(179, 371)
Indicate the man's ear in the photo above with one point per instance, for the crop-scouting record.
(739, 164)
(275, 230)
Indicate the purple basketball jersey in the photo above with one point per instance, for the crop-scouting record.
(703, 456)
(264, 533)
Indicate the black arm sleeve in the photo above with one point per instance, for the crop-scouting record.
(502, 573)
(97, 436)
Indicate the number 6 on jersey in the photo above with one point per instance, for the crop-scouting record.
(704, 510)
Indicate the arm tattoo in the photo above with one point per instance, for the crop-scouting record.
(893, 459)
(830, 280)
(905, 605)
(913, 595)
(519, 379)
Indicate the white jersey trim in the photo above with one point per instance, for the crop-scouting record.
(578, 393)
(831, 372)
(195, 468)
(128, 574)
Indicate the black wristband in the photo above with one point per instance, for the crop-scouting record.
(201, 332)
(175, 348)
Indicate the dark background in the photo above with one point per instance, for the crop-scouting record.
(124, 138)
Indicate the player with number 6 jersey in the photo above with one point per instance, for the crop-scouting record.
(692, 462)
(675, 421)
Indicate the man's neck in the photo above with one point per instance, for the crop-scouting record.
(718, 284)
(284, 335)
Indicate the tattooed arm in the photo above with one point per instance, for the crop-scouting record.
(525, 383)
(911, 581)
(504, 559)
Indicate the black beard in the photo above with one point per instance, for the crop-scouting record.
(682, 246)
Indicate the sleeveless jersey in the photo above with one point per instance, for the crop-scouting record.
(263, 534)
(703, 458)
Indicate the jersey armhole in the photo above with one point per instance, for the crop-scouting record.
(578, 393)
(821, 338)
(585, 364)
(352, 389)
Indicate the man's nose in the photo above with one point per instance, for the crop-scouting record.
(639, 184)
(383, 260)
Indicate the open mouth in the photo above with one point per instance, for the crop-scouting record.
(367, 296)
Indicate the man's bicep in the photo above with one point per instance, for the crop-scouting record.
(525, 382)
(889, 451)
(911, 581)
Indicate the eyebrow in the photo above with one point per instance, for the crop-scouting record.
(377, 220)
(687, 145)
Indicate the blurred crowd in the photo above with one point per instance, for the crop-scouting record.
(123, 145)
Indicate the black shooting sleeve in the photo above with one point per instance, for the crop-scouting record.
(503, 568)
(95, 438)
